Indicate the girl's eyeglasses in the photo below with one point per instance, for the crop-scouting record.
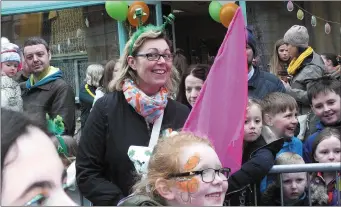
(207, 175)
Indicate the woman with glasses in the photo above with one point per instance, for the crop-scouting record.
(31, 171)
(184, 170)
(137, 107)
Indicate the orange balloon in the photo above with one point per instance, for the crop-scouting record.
(227, 13)
(131, 13)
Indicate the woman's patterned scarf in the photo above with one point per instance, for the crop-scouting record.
(150, 107)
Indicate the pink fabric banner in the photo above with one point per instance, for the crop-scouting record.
(219, 112)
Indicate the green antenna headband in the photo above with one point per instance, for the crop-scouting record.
(142, 29)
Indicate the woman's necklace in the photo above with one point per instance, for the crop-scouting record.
(88, 90)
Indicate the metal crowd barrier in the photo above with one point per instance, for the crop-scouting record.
(279, 169)
(311, 167)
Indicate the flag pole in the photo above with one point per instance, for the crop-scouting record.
(242, 5)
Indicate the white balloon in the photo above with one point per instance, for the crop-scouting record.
(226, 2)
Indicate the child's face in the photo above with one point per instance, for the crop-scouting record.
(284, 124)
(253, 123)
(327, 107)
(328, 150)
(10, 68)
(192, 190)
(294, 185)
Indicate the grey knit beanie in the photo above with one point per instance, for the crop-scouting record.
(297, 36)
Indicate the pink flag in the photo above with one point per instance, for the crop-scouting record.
(219, 112)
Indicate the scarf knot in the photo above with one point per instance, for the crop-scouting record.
(150, 107)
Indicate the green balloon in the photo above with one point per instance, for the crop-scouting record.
(214, 10)
(117, 10)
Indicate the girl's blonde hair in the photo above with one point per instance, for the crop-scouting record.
(276, 65)
(289, 158)
(125, 71)
(165, 161)
(94, 74)
(254, 102)
(285, 158)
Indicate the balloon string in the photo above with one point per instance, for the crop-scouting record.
(315, 15)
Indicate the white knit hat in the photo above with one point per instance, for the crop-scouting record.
(297, 36)
(9, 51)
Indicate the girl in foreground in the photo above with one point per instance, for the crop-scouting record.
(183, 170)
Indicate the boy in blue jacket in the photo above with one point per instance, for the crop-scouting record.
(280, 117)
(324, 97)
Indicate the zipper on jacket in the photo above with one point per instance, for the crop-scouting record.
(235, 191)
(250, 188)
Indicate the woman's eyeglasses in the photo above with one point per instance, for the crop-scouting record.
(207, 175)
(156, 56)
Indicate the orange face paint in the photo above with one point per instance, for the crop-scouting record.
(192, 162)
(190, 186)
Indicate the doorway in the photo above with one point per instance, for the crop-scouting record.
(196, 33)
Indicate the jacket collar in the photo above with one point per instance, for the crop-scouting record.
(336, 73)
(268, 135)
(269, 138)
(45, 87)
(314, 59)
(297, 202)
(252, 83)
(320, 126)
(320, 176)
(250, 74)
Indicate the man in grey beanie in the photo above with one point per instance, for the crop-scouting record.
(305, 66)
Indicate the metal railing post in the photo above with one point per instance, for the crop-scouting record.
(311, 167)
